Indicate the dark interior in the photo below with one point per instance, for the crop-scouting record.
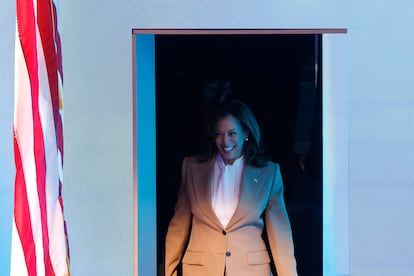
(279, 77)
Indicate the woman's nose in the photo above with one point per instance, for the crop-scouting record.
(226, 138)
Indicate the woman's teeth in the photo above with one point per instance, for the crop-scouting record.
(228, 148)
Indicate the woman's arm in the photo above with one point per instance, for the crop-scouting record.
(278, 229)
(178, 229)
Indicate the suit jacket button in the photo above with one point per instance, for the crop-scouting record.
(224, 232)
(228, 254)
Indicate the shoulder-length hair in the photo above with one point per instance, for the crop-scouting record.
(252, 148)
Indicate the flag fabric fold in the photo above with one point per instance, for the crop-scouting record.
(39, 236)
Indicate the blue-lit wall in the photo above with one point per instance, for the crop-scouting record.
(97, 60)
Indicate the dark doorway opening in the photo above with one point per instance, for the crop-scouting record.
(279, 77)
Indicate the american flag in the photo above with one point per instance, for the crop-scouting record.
(39, 236)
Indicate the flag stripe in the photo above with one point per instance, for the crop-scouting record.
(48, 53)
(58, 118)
(27, 35)
(31, 51)
(47, 22)
(46, 30)
(22, 214)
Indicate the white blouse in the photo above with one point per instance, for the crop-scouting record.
(226, 188)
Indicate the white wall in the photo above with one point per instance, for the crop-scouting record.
(381, 141)
(96, 38)
(96, 41)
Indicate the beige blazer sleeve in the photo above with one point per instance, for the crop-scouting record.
(178, 229)
(278, 229)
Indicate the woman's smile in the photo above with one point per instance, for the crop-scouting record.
(230, 137)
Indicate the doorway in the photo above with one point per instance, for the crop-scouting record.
(279, 77)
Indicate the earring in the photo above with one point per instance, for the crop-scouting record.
(246, 139)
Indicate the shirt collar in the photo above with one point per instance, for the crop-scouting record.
(236, 164)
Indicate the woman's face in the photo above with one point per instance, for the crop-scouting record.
(229, 138)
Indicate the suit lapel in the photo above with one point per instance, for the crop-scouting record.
(202, 181)
(251, 180)
(250, 185)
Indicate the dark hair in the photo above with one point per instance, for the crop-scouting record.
(252, 148)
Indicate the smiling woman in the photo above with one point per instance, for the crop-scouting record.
(228, 201)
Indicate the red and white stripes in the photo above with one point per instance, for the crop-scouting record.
(39, 240)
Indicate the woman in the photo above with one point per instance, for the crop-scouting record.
(228, 198)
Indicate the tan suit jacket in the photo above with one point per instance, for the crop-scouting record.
(196, 237)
